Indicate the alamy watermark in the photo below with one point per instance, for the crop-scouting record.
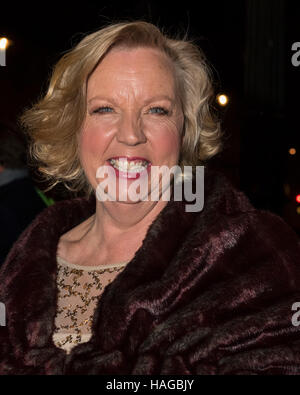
(296, 316)
(3, 45)
(2, 314)
(140, 188)
(296, 56)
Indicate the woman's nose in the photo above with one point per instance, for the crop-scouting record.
(130, 130)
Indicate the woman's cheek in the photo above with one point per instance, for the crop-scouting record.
(91, 152)
(166, 141)
(92, 141)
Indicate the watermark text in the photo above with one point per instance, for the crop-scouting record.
(2, 314)
(296, 55)
(153, 185)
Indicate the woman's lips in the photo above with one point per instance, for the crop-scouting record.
(130, 168)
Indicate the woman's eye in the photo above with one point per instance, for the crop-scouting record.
(159, 111)
(101, 110)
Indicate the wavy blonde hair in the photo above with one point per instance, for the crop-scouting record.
(55, 121)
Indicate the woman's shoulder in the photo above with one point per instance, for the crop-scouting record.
(62, 214)
(46, 229)
(229, 222)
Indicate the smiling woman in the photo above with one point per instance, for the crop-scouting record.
(144, 123)
(64, 107)
(143, 286)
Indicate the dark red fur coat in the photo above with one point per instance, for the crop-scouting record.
(207, 293)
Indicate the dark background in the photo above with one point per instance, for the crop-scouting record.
(248, 43)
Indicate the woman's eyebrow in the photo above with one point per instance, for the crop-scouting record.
(160, 97)
(147, 101)
(101, 98)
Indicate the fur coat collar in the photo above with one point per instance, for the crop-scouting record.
(207, 293)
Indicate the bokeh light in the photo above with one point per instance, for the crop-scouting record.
(222, 99)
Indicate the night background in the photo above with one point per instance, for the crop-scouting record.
(248, 43)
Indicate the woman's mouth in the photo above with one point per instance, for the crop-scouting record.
(131, 168)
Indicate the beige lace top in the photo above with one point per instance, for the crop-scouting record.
(79, 289)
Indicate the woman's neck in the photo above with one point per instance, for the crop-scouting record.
(113, 234)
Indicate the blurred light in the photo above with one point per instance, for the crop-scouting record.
(298, 198)
(292, 151)
(222, 100)
(298, 210)
(3, 43)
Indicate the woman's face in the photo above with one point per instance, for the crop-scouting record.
(134, 118)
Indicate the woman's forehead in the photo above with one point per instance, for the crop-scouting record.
(137, 56)
(148, 67)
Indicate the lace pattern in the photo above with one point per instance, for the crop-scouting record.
(79, 289)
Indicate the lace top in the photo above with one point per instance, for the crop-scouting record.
(79, 289)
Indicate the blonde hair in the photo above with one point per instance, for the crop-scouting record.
(55, 121)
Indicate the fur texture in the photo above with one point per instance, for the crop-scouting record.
(207, 293)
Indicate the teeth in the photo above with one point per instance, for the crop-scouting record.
(129, 166)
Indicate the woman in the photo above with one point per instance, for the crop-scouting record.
(125, 286)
